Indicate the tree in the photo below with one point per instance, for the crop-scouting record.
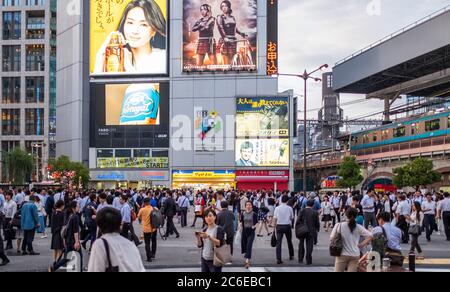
(350, 171)
(18, 165)
(69, 172)
(417, 173)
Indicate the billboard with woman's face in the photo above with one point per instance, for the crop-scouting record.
(128, 37)
(220, 35)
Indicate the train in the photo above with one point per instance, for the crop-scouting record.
(428, 130)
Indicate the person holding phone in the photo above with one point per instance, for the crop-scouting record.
(211, 237)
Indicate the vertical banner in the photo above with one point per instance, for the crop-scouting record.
(272, 37)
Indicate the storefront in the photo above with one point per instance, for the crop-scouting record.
(262, 179)
(129, 179)
(217, 179)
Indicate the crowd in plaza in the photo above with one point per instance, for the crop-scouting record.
(357, 223)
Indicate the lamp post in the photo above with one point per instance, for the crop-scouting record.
(305, 76)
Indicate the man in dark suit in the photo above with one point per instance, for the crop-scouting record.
(225, 219)
(170, 210)
(306, 229)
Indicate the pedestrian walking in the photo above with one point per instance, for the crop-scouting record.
(57, 222)
(283, 217)
(306, 227)
(29, 224)
(169, 211)
(415, 228)
(249, 222)
(429, 220)
(368, 205)
(225, 219)
(150, 232)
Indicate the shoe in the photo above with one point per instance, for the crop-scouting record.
(149, 260)
(269, 234)
(247, 266)
(192, 226)
(153, 256)
(24, 253)
(83, 244)
(43, 236)
(139, 243)
(308, 264)
(51, 269)
(291, 258)
(178, 236)
(300, 261)
(259, 235)
(279, 262)
(4, 263)
(32, 253)
(420, 257)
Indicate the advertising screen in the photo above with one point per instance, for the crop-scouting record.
(263, 152)
(128, 37)
(129, 115)
(132, 104)
(220, 35)
(262, 117)
(128, 162)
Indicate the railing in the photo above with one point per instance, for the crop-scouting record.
(392, 35)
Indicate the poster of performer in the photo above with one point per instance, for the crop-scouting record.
(220, 35)
(128, 37)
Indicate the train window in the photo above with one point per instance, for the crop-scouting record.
(448, 123)
(375, 137)
(385, 135)
(366, 139)
(432, 125)
(399, 132)
(414, 129)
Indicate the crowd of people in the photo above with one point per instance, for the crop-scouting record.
(358, 224)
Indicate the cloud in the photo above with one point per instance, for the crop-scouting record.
(314, 32)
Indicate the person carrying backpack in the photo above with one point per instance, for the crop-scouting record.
(149, 228)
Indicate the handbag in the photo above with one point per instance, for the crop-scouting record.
(222, 255)
(238, 237)
(414, 230)
(336, 245)
(273, 240)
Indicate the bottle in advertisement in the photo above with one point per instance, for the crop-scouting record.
(114, 55)
(140, 105)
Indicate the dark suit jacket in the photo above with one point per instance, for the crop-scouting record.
(225, 219)
(169, 207)
(309, 217)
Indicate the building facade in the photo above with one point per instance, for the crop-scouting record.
(28, 78)
(198, 138)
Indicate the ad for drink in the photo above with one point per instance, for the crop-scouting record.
(128, 37)
(220, 35)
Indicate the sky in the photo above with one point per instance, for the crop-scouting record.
(316, 32)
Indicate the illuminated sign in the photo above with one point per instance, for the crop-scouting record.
(272, 37)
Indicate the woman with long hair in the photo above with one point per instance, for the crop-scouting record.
(212, 237)
(249, 221)
(142, 33)
(263, 210)
(227, 25)
(206, 43)
(415, 226)
(351, 233)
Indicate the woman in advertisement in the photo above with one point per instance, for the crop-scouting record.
(206, 43)
(227, 25)
(138, 45)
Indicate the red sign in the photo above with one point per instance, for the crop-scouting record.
(275, 173)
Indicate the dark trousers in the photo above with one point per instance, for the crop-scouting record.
(2, 251)
(446, 219)
(150, 238)
(284, 230)
(208, 267)
(92, 236)
(369, 219)
(403, 225)
(128, 228)
(28, 238)
(195, 220)
(415, 244)
(248, 236)
(171, 227)
(183, 213)
(429, 222)
(309, 240)
(9, 233)
(337, 216)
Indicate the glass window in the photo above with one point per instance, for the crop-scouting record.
(35, 90)
(12, 25)
(432, 125)
(141, 153)
(399, 132)
(10, 122)
(35, 58)
(10, 90)
(11, 58)
(105, 153)
(414, 129)
(34, 122)
(160, 153)
(448, 123)
(123, 153)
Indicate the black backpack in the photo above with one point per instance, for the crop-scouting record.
(157, 219)
(379, 243)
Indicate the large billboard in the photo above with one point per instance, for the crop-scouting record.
(129, 37)
(220, 35)
(262, 117)
(130, 115)
(262, 152)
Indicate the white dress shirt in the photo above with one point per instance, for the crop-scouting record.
(445, 205)
(123, 253)
(284, 214)
(10, 209)
(429, 208)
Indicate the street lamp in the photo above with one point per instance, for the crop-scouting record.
(37, 145)
(305, 76)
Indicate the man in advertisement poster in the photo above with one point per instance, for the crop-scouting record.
(206, 45)
(247, 149)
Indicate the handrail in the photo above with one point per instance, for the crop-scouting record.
(392, 35)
